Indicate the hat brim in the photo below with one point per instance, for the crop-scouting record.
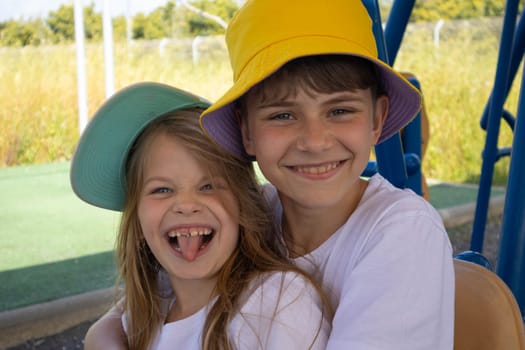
(97, 171)
(220, 123)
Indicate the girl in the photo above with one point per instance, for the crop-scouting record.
(196, 214)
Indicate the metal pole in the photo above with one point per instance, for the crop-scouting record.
(107, 31)
(81, 66)
(490, 152)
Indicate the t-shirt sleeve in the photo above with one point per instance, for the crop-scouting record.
(284, 312)
(400, 292)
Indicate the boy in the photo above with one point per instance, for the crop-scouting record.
(309, 101)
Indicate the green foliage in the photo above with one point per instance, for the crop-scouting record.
(433, 10)
(119, 28)
(62, 24)
(92, 24)
(166, 21)
(13, 33)
(199, 25)
(149, 27)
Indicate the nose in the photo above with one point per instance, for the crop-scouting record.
(314, 136)
(186, 204)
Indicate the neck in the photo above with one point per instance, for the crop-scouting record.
(190, 297)
(306, 228)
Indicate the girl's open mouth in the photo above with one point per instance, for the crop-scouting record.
(190, 241)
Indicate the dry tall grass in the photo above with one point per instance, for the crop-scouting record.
(38, 93)
(38, 114)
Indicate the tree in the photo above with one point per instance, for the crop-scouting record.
(432, 10)
(200, 24)
(62, 23)
(13, 33)
(181, 18)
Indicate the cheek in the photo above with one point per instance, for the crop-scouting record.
(232, 208)
(147, 216)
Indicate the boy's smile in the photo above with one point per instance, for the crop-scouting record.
(318, 170)
(189, 218)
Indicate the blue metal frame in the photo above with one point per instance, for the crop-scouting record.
(509, 57)
(391, 156)
(511, 258)
(393, 164)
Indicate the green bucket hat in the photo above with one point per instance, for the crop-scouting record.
(98, 171)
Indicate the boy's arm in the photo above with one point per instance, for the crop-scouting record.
(107, 332)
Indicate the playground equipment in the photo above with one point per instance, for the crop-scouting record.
(393, 152)
(511, 257)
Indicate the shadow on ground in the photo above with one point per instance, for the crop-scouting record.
(41, 283)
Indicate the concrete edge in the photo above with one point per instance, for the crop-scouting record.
(462, 214)
(41, 320)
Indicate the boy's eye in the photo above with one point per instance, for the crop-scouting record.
(282, 116)
(339, 111)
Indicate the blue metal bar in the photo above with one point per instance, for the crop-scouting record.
(395, 27)
(511, 259)
(494, 117)
(518, 50)
(389, 154)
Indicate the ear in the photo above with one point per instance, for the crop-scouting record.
(245, 131)
(380, 113)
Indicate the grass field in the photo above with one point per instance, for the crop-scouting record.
(54, 245)
(51, 243)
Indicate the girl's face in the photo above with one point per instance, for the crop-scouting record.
(189, 218)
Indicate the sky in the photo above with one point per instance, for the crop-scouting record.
(27, 9)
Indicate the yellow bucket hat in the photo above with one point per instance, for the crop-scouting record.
(265, 34)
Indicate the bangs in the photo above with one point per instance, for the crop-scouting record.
(319, 74)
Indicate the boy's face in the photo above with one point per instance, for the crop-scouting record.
(313, 146)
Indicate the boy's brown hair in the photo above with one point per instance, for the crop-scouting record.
(318, 74)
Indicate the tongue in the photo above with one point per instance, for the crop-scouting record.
(189, 246)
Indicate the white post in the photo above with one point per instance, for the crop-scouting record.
(437, 29)
(195, 49)
(107, 31)
(81, 65)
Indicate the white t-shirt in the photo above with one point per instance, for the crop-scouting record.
(281, 311)
(388, 273)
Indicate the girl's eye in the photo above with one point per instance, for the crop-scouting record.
(207, 187)
(160, 190)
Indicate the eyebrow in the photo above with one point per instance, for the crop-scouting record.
(339, 97)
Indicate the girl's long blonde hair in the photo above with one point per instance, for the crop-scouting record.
(259, 250)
